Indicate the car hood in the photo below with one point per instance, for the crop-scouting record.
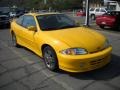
(79, 37)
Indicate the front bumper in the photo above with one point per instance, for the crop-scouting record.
(83, 63)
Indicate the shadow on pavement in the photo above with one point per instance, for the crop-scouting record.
(108, 72)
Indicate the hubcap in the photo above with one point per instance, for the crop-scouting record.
(49, 59)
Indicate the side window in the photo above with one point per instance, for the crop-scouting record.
(91, 9)
(102, 10)
(28, 21)
(97, 10)
(19, 20)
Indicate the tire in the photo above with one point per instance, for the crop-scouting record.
(14, 41)
(118, 27)
(93, 17)
(50, 58)
(102, 27)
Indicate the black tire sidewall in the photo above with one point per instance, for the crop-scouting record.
(14, 41)
(101, 26)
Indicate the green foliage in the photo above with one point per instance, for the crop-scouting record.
(64, 4)
(39, 4)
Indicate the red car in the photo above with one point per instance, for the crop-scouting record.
(110, 19)
(80, 13)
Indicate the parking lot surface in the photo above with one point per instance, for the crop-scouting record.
(21, 69)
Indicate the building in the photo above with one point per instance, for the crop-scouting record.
(96, 3)
(114, 5)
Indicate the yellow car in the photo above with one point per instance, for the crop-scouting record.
(62, 44)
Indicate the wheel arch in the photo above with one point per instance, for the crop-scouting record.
(45, 45)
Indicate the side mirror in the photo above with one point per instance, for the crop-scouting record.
(32, 28)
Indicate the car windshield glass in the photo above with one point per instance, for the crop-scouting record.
(55, 22)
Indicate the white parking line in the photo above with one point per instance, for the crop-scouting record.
(57, 80)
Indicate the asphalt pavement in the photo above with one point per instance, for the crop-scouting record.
(21, 69)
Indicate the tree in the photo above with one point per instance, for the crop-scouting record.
(39, 4)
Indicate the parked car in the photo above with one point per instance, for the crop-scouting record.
(61, 43)
(110, 19)
(80, 13)
(94, 12)
(4, 19)
(13, 14)
(19, 13)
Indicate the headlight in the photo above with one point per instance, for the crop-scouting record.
(106, 44)
(74, 51)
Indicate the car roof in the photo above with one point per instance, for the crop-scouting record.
(37, 14)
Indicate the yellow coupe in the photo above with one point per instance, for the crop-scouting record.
(62, 44)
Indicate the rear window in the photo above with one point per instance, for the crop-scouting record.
(19, 20)
(91, 9)
(102, 10)
(97, 10)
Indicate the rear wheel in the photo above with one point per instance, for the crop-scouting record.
(119, 27)
(93, 17)
(101, 26)
(50, 58)
(14, 40)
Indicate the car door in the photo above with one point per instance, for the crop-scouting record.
(91, 11)
(27, 36)
(97, 12)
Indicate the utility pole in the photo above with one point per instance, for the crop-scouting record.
(87, 13)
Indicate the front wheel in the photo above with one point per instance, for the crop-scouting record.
(50, 58)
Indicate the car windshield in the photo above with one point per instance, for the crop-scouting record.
(55, 21)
